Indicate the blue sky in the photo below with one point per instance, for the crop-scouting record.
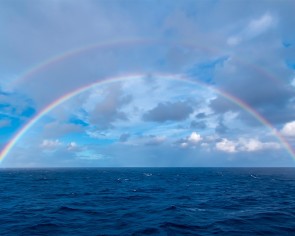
(243, 48)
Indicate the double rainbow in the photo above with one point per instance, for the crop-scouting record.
(55, 60)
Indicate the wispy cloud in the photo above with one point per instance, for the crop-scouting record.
(253, 29)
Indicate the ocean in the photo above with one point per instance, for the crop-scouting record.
(147, 201)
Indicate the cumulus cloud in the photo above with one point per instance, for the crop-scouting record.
(50, 144)
(289, 129)
(169, 111)
(194, 138)
(190, 141)
(55, 144)
(245, 145)
(226, 145)
(253, 145)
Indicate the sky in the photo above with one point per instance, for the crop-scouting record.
(147, 83)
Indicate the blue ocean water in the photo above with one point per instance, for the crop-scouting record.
(148, 201)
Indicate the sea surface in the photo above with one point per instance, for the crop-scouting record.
(147, 201)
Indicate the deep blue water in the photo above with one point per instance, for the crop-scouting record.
(148, 201)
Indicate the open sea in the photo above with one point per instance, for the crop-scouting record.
(147, 201)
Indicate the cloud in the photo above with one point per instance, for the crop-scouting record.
(50, 144)
(57, 145)
(253, 145)
(194, 138)
(96, 134)
(72, 146)
(190, 141)
(257, 26)
(169, 111)
(184, 145)
(268, 95)
(124, 137)
(226, 145)
(254, 28)
(107, 111)
(289, 129)
(245, 145)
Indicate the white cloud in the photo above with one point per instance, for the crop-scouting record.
(183, 145)
(194, 138)
(289, 129)
(252, 145)
(226, 145)
(254, 28)
(50, 144)
(72, 146)
(190, 141)
(245, 145)
(260, 25)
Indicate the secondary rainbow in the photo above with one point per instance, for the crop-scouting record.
(73, 53)
(176, 77)
(55, 60)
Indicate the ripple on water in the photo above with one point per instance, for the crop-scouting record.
(153, 201)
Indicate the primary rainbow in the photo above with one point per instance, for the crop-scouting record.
(176, 77)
